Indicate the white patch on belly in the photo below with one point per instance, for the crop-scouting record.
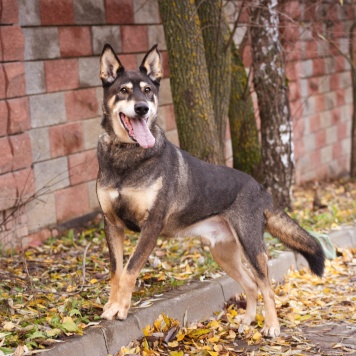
(211, 231)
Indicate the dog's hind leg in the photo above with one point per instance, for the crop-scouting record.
(249, 229)
(228, 255)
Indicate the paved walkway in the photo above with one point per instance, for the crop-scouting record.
(334, 339)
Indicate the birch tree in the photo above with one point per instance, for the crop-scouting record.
(271, 89)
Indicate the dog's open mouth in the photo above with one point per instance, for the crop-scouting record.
(138, 130)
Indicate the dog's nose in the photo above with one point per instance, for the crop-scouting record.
(141, 108)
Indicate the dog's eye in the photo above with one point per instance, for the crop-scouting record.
(124, 91)
(147, 89)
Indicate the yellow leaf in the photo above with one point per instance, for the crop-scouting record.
(173, 343)
(257, 336)
(147, 330)
(214, 324)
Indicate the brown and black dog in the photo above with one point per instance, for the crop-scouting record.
(148, 185)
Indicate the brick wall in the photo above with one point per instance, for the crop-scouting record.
(50, 97)
(50, 102)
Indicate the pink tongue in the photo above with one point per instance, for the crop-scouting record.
(143, 134)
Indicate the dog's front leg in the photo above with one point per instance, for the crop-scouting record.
(120, 297)
(115, 239)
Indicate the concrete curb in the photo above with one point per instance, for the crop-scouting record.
(194, 302)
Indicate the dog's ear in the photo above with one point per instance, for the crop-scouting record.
(152, 64)
(110, 65)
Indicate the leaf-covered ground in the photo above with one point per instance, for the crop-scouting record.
(303, 303)
(59, 288)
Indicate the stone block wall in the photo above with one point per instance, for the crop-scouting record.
(50, 97)
(50, 103)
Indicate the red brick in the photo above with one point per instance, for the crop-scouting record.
(19, 115)
(335, 116)
(318, 66)
(337, 150)
(339, 63)
(334, 82)
(164, 56)
(83, 167)
(340, 97)
(9, 12)
(54, 12)
(294, 91)
(61, 74)
(66, 139)
(289, 33)
(320, 138)
(15, 82)
(292, 9)
(319, 103)
(309, 12)
(72, 202)
(21, 146)
(170, 118)
(291, 72)
(25, 182)
(315, 158)
(293, 52)
(4, 113)
(342, 130)
(313, 86)
(338, 30)
(36, 239)
(129, 61)
(2, 82)
(13, 43)
(314, 123)
(298, 149)
(6, 157)
(81, 104)
(119, 12)
(74, 41)
(247, 56)
(8, 194)
(311, 49)
(139, 33)
(298, 128)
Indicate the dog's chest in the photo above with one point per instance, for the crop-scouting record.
(128, 205)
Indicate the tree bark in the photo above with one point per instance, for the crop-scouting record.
(244, 133)
(271, 89)
(215, 31)
(189, 80)
(353, 125)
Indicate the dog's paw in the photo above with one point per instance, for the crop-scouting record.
(245, 319)
(271, 330)
(114, 311)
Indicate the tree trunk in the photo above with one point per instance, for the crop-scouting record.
(216, 33)
(271, 89)
(353, 128)
(244, 133)
(189, 80)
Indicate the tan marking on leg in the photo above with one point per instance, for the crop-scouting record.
(271, 327)
(228, 255)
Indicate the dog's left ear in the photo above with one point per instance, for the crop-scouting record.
(152, 64)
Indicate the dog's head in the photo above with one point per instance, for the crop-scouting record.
(130, 97)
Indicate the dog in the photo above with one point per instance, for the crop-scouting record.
(148, 185)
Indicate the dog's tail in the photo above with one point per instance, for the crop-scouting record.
(280, 225)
